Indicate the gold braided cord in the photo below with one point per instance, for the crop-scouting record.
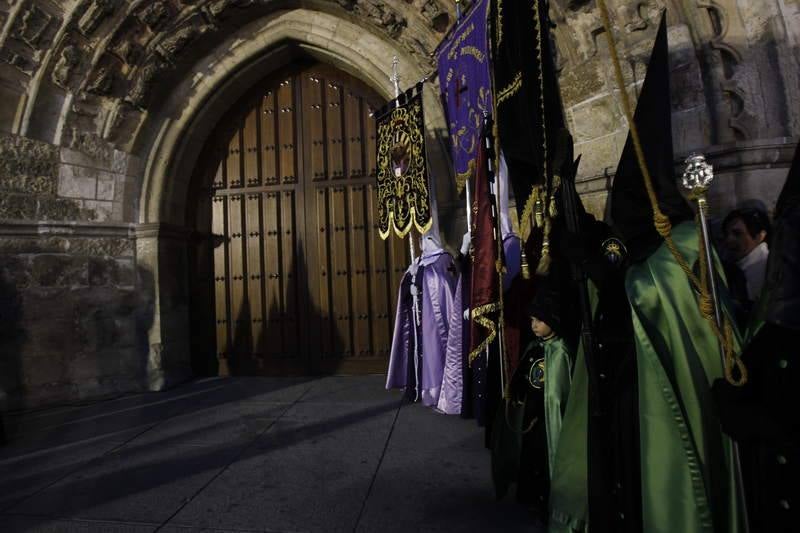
(664, 226)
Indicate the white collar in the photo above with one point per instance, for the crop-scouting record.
(756, 255)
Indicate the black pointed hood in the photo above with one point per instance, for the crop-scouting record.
(790, 194)
(631, 212)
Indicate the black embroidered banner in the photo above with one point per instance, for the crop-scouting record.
(403, 191)
(526, 95)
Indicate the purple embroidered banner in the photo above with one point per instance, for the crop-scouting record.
(466, 87)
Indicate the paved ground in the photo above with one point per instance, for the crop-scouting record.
(250, 454)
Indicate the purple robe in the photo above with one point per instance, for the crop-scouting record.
(452, 395)
(435, 281)
(453, 377)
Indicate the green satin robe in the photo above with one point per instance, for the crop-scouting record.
(568, 483)
(557, 382)
(688, 482)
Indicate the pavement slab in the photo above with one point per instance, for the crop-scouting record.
(310, 472)
(248, 455)
(436, 476)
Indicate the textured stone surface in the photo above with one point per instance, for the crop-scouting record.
(27, 166)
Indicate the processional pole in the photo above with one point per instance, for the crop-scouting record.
(395, 79)
(697, 178)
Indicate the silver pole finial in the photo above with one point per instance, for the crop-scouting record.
(395, 78)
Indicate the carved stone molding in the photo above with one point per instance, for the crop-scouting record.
(95, 14)
(69, 59)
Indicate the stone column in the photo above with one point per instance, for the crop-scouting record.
(161, 257)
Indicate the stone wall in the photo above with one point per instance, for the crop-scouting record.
(73, 306)
(734, 83)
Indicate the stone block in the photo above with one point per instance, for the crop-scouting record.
(64, 209)
(106, 271)
(102, 210)
(88, 150)
(578, 82)
(106, 188)
(33, 245)
(60, 271)
(689, 130)
(15, 273)
(596, 118)
(107, 246)
(18, 206)
(77, 182)
(44, 304)
(600, 155)
(54, 337)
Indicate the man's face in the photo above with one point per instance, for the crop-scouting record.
(738, 241)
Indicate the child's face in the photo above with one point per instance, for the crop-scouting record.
(539, 328)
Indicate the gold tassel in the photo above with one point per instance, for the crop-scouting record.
(538, 208)
(526, 271)
(544, 262)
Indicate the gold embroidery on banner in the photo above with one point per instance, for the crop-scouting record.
(403, 199)
(463, 177)
(473, 51)
(510, 90)
(453, 53)
(480, 318)
(499, 36)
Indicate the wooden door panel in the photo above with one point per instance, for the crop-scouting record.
(314, 118)
(239, 312)
(343, 346)
(269, 164)
(233, 168)
(273, 337)
(354, 134)
(380, 312)
(359, 275)
(286, 132)
(370, 136)
(333, 130)
(302, 282)
(288, 275)
(251, 149)
(254, 281)
(219, 233)
(321, 291)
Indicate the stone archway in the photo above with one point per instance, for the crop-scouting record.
(164, 238)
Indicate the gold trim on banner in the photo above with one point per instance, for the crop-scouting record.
(480, 318)
(510, 90)
(463, 177)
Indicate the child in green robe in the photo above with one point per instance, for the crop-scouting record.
(554, 371)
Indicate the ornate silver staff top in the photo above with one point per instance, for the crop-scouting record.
(698, 175)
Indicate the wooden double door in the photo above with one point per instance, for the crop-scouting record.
(302, 284)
